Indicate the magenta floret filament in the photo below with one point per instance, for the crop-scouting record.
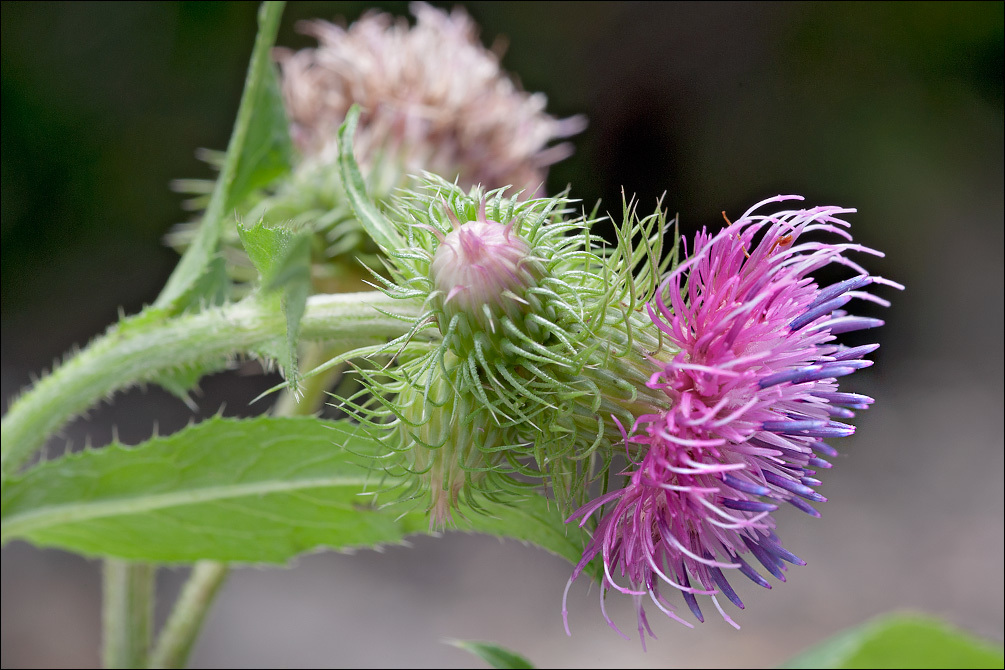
(751, 395)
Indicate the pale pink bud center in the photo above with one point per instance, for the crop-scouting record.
(477, 263)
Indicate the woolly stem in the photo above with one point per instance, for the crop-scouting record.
(183, 626)
(127, 616)
(142, 349)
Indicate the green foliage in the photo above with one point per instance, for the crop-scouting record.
(282, 258)
(255, 156)
(255, 491)
(262, 490)
(374, 223)
(901, 641)
(268, 148)
(181, 381)
(493, 654)
(210, 289)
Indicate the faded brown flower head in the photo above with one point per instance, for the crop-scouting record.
(433, 98)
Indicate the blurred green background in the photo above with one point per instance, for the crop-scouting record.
(893, 108)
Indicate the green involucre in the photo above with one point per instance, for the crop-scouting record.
(527, 385)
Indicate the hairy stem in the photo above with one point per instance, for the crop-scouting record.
(142, 349)
(183, 626)
(127, 617)
(129, 588)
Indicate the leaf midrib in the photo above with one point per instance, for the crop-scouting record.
(24, 523)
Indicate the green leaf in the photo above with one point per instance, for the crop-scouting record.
(281, 255)
(211, 287)
(181, 381)
(902, 640)
(374, 223)
(268, 149)
(258, 490)
(493, 654)
(283, 259)
(249, 156)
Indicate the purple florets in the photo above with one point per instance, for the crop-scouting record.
(752, 393)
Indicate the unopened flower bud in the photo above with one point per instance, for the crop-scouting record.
(481, 269)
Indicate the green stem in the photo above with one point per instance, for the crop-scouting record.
(183, 626)
(142, 349)
(127, 618)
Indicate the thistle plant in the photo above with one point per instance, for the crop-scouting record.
(635, 408)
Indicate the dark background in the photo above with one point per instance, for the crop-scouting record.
(893, 108)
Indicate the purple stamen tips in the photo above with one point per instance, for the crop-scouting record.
(804, 507)
(815, 312)
(847, 324)
(752, 574)
(834, 429)
(853, 400)
(794, 487)
(745, 486)
(770, 562)
(855, 352)
(692, 602)
(823, 448)
(809, 373)
(751, 389)
(792, 427)
(772, 545)
(748, 505)
(724, 586)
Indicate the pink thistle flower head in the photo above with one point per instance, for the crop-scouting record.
(752, 393)
(433, 98)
